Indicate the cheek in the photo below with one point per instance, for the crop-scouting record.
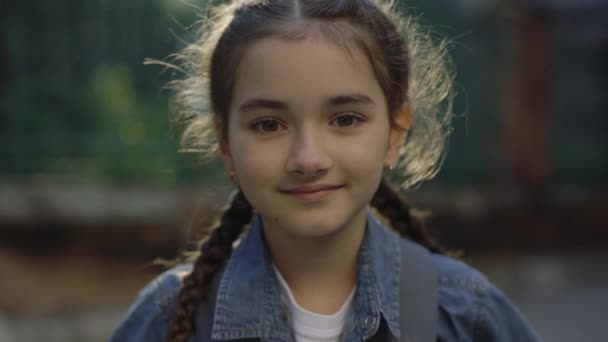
(364, 157)
(255, 161)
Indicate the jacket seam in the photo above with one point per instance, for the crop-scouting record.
(479, 297)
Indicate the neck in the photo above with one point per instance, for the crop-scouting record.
(320, 271)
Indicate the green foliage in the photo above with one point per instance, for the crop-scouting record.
(99, 131)
(79, 105)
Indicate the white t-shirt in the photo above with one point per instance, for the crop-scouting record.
(312, 327)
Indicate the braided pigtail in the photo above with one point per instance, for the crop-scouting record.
(393, 207)
(213, 254)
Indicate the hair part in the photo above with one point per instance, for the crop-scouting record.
(412, 69)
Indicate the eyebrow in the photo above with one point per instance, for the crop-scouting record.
(335, 101)
(354, 98)
(258, 103)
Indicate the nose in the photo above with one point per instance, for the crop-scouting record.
(308, 155)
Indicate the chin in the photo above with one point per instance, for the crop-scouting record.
(309, 225)
(319, 230)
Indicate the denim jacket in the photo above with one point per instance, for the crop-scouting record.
(249, 306)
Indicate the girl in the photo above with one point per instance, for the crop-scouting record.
(313, 102)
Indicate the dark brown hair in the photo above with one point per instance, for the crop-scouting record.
(411, 70)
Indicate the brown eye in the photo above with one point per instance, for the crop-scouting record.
(346, 120)
(267, 126)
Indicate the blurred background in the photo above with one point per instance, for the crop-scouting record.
(92, 189)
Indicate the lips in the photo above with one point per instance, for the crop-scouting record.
(311, 189)
(312, 193)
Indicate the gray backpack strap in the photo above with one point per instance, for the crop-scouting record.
(418, 305)
(206, 311)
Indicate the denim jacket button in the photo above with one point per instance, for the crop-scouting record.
(370, 321)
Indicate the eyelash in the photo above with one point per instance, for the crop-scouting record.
(359, 119)
(258, 124)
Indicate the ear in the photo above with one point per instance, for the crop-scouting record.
(222, 141)
(401, 125)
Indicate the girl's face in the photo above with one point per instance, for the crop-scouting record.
(308, 135)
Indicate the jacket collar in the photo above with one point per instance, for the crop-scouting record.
(248, 303)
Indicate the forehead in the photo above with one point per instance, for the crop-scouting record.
(303, 71)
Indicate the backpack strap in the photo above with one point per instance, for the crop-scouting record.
(206, 312)
(418, 303)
